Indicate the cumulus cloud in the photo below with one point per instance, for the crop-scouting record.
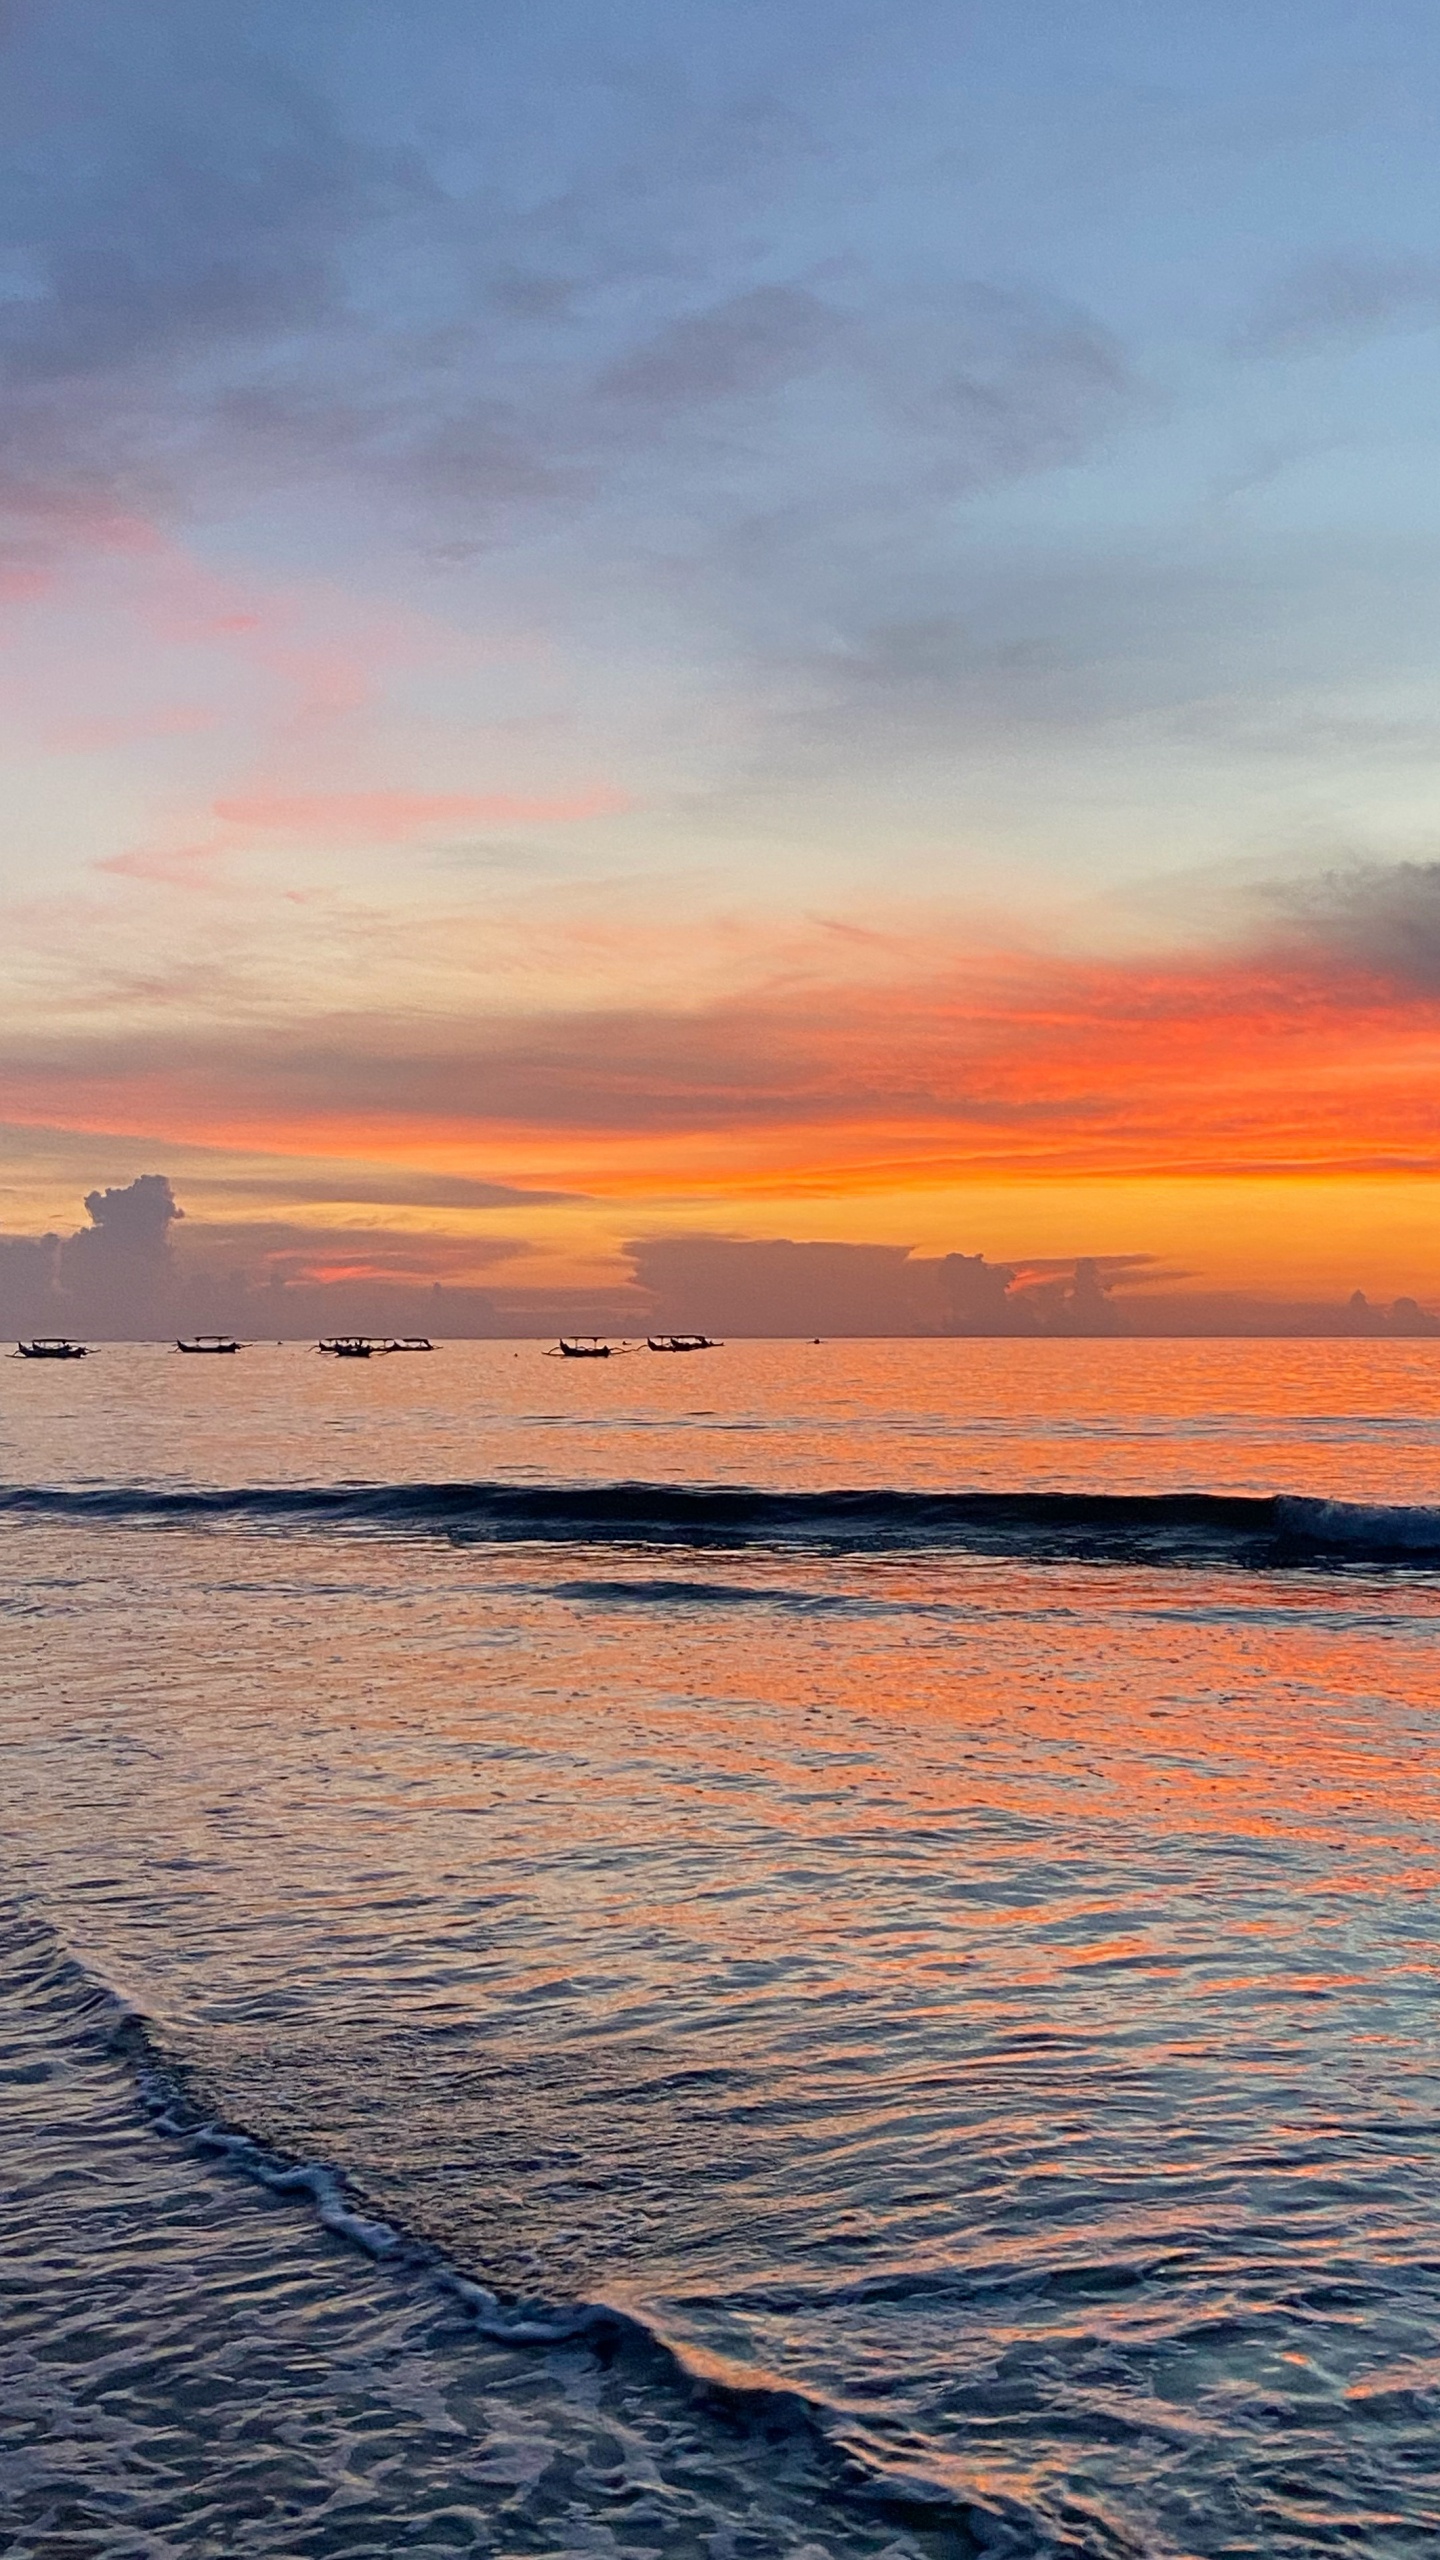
(121, 1277)
(132, 1218)
(117, 1275)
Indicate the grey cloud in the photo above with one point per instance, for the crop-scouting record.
(1348, 295)
(1376, 916)
(244, 288)
(185, 204)
(121, 1277)
(1005, 382)
(117, 1274)
(743, 1285)
(750, 343)
(741, 1066)
(205, 197)
(28, 1271)
(773, 1286)
(134, 1217)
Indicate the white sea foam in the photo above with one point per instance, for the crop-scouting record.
(1367, 1528)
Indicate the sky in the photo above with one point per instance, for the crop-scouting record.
(637, 632)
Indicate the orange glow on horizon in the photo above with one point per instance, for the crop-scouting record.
(1262, 1119)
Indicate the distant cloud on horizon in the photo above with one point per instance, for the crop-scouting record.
(129, 1275)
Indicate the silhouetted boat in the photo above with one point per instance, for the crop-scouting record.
(409, 1342)
(211, 1342)
(51, 1347)
(349, 1346)
(581, 1346)
(682, 1342)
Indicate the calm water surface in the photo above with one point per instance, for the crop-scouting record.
(548, 2009)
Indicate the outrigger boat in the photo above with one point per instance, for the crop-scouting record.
(581, 1346)
(683, 1342)
(51, 1347)
(349, 1346)
(209, 1342)
(409, 1342)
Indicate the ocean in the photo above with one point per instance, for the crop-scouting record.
(810, 1950)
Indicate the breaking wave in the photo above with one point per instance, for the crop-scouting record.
(1166, 1529)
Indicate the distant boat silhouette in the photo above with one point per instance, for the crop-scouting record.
(349, 1346)
(683, 1342)
(51, 1347)
(409, 1342)
(210, 1342)
(581, 1346)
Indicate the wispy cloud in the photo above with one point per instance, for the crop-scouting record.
(1310, 1046)
(119, 729)
(364, 1189)
(1343, 296)
(392, 817)
(181, 866)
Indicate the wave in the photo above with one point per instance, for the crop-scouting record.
(1167, 1528)
(885, 2478)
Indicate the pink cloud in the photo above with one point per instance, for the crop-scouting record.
(181, 866)
(81, 737)
(388, 817)
(21, 583)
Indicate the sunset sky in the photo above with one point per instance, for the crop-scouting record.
(761, 621)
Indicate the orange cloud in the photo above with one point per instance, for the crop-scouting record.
(1247, 1112)
(1006, 1065)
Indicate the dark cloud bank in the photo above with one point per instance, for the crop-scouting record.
(140, 1271)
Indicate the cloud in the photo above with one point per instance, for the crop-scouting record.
(750, 343)
(391, 817)
(190, 207)
(773, 1286)
(914, 1054)
(255, 1253)
(117, 1275)
(134, 1218)
(265, 259)
(123, 1277)
(1003, 382)
(181, 866)
(203, 198)
(1379, 918)
(395, 1191)
(97, 736)
(1343, 298)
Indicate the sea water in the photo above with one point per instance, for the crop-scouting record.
(806, 1949)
